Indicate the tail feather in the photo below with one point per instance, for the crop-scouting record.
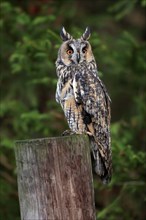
(99, 165)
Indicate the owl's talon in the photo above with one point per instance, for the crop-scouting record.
(89, 133)
(68, 132)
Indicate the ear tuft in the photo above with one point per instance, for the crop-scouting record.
(86, 35)
(64, 35)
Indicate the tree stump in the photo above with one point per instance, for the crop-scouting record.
(55, 178)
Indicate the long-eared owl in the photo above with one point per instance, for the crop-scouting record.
(84, 99)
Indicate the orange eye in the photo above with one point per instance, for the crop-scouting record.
(69, 52)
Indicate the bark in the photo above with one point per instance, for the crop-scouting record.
(55, 178)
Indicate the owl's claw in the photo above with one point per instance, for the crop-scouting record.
(89, 133)
(68, 132)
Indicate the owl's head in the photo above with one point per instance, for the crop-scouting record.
(75, 51)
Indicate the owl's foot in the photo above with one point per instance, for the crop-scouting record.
(68, 132)
(89, 133)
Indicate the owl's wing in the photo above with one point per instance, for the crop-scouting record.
(91, 93)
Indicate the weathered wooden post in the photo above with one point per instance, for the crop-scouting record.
(55, 179)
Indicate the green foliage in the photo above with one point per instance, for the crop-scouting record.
(32, 71)
(122, 8)
(133, 160)
(28, 81)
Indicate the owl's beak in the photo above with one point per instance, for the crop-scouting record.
(78, 57)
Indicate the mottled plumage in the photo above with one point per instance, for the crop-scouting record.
(84, 98)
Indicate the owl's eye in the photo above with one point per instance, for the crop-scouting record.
(84, 50)
(69, 51)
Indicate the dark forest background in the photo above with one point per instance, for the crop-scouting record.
(29, 41)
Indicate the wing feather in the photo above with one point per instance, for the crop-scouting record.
(91, 93)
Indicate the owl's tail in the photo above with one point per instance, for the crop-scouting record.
(98, 162)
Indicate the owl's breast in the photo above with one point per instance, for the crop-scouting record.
(73, 113)
(72, 110)
(66, 91)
